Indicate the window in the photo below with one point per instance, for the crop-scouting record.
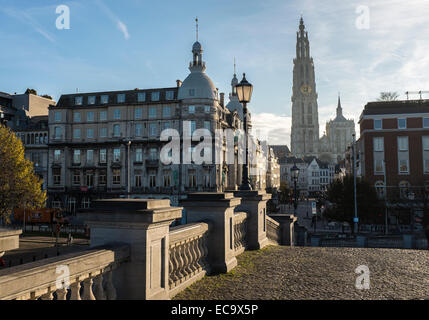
(404, 189)
(116, 176)
(192, 179)
(377, 124)
(116, 130)
(379, 166)
(89, 156)
(425, 143)
(403, 166)
(90, 133)
(425, 122)
(89, 175)
(76, 156)
(153, 154)
(402, 123)
(206, 180)
(139, 130)
(152, 129)
(90, 116)
(207, 125)
(56, 173)
(76, 177)
(169, 95)
(78, 101)
(103, 115)
(121, 97)
(166, 111)
(57, 155)
(378, 144)
(403, 143)
(76, 117)
(104, 99)
(103, 132)
(152, 179)
(166, 125)
(152, 112)
(207, 109)
(116, 155)
(117, 114)
(138, 180)
(102, 177)
(103, 156)
(57, 116)
(192, 92)
(76, 133)
(155, 96)
(138, 113)
(91, 100)
(139, 155)
(191, 109)
(426, 165)
(141, 96)
(57, 132)
(167, 180)
(86, 202)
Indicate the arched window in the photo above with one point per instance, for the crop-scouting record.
(404, 189)
(379, 187)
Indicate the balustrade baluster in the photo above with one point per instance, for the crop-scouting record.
(61, 294)
(47, 296)
(75, 290)
(110, 288)
(98, 287)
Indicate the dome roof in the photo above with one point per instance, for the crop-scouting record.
(203, 87)
(196, 47)
(235, 105)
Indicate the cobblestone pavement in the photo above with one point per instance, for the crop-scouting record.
(278, 272)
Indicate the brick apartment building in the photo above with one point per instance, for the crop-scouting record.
(394, 147)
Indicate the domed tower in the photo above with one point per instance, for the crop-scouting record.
(234, 104)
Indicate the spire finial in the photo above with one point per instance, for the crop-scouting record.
(234, 67)
(196, 26)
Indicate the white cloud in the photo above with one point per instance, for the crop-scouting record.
(272, 127)
(112, 16)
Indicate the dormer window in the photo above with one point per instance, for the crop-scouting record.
(121, 98)
(169, 95)
(155, 96)
(104, 99)
(91, 100)
(141, 97)
(78, 101)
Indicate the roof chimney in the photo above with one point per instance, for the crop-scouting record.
(179, 83)
(222, 99)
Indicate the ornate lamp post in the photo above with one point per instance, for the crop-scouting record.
(244, 92)
(295, 173)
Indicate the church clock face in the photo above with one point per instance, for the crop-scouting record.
(305, 89)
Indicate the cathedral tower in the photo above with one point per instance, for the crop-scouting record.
(305, 116)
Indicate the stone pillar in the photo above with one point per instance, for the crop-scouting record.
(287, 224)
(217, 208)
(143, 224)
(9, 240)
(255, 204)
(408, 241)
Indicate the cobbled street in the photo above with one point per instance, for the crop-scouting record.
(279, 272)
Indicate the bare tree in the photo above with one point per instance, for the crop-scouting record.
(388, 96)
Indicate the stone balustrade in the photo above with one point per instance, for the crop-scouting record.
(240, 232)
(273, 230)
(187, 255)
(83, 275)
(9, 240)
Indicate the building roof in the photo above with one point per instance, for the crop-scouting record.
(131, 97)
(396, 107)
(197, 85)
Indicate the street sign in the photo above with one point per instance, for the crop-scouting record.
(313, 207)
(356, 220)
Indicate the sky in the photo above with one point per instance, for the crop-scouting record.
(360, 48)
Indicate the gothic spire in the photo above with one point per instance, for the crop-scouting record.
(339, 108)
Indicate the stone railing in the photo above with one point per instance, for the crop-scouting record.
(240, 231)
(9, 240)
(83, 275)
(187, 255)
(273, 230)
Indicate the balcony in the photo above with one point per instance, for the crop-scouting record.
(150, 163)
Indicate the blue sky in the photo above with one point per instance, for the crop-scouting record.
(115, 45)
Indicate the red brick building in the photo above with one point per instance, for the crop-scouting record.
(394, 139)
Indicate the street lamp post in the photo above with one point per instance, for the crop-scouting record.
(129, 170)
(356, 219)
(295, 173)
(244, 92)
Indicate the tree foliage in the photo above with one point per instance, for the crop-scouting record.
(284, 193)
(19, 185)
(388, 96)
(340, 194)
(47, 96)
(31, 91)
